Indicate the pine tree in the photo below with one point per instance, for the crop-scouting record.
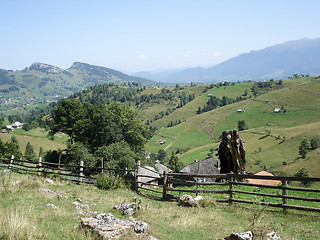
(29, 153)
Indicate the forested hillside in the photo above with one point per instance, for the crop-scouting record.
(185, 122)
(43, 83)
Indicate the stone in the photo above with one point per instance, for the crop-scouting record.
(80, 206)
(108, 226)
(80, 212)
(273, 236)
(232, 153)
(15, 182)
(49, 181)
(50, 205)
(187, 200)
(52, 193)
(240, 236)
(128, 208)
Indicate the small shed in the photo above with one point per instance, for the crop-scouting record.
(4, 131)
(264, 181)
(240, 111)
(150, 176)
(277, 110)
(209, 166)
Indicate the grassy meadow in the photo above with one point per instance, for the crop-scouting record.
(24, 215)
(272, 140)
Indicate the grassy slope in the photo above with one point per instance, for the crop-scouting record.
(37, 138)
(23, 213)
(301, 98)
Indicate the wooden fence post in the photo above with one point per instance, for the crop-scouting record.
(164, 190)
(102, 165)
(231, 194)
(284, 194)
(11, 162)
(39, 166)
(136, 185)
(81, 171)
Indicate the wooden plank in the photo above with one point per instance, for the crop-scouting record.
(198, 191)
(149, 189)
(246, 176)
(149, 184)
(191, 183)
(199, 175)
(256, 193)
(278, 205)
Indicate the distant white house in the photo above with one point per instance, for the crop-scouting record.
(240, 110)
(10, 127)
(210, 95)
(277, 110)
(17, 125)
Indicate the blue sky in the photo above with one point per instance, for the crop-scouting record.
(142, 35)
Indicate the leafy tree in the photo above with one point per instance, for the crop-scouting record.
(29, 153)
(315, 142)
(78, 152)
(8, 149)
(67, 113)
(304, 147)
(117, 155)
(242, 125)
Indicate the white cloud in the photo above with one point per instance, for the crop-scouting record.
(216, 54)
(187, 55)
(142, 56)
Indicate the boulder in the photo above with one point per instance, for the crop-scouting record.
(187, 200)
(240, 236)
(108, 226)
(232, 153)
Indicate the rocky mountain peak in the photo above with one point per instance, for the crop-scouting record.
(44, 68)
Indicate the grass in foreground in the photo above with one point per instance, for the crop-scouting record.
(23, 214)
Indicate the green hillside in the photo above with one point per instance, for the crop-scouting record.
(42, 83)
(265, 144)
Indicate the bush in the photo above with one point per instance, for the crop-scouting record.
(304, 174)
(108, 181)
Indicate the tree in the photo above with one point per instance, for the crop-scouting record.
(315, 142)
(162, 155)
(10, 119)
(40, 152)
(78, 152)
(174, 164)
(14, 140)
(67, 113)
(242, 125)
(304, 174)
(29, 153)
(304, 147)
(1, 120)
(117, 155)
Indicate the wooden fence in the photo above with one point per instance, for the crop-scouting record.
(76, 173)
(167, 185)
(227, 185)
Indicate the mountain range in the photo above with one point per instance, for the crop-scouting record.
(277, 61)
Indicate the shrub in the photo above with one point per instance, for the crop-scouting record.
(108, 181)
(304, 174)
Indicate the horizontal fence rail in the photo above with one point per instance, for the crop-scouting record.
(227, 186)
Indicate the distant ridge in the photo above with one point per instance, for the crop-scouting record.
(277, 61)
